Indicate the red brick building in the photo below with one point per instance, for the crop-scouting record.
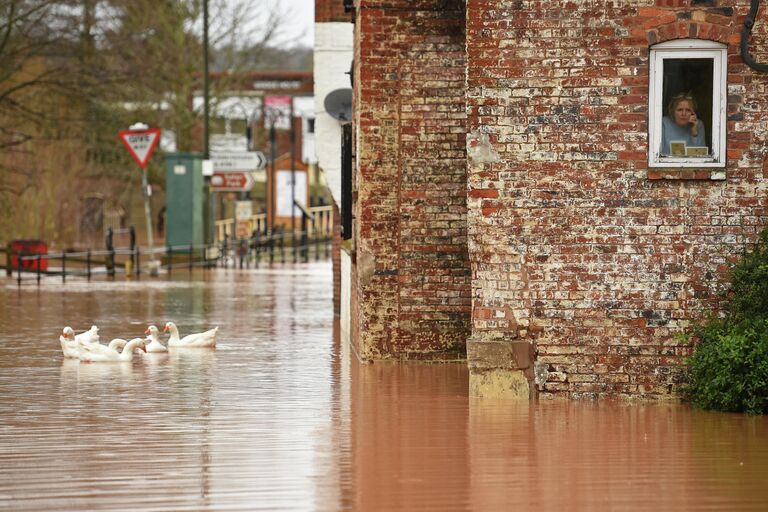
(515, 198)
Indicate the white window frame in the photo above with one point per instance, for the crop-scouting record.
(688, 49)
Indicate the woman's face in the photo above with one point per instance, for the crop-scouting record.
(683, 112)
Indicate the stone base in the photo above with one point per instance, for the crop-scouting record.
(500, 369)
(499, 383)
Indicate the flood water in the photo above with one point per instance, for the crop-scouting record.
(280, 417)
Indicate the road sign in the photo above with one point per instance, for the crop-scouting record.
(140, 143)
(234, 181)
(277, 111)
(286, 192)
(238, 161)
(243, 214)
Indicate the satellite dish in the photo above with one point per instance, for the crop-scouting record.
(338, 104)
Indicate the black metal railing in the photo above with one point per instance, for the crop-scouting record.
(278, 246)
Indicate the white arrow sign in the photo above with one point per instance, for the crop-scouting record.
(140, 143)
(238, 161)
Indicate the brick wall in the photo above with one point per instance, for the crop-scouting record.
(413, 280)
(576, 246)
(327, 11)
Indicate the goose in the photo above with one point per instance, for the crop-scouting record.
(89, 336)
(72, 343)
(88, 340)
(70, 348)
(200, 339)
(117, 344)
(97, 348)
(154, 337)
(109, 355)
(68, 343)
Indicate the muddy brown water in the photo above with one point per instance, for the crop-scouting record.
(281, 417)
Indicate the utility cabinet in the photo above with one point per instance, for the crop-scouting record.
(184, 199)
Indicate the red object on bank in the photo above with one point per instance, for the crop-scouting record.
(28, 248)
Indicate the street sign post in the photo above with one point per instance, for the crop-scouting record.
(232, 181)
(141, 141)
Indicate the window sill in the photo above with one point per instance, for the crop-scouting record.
(677, 173)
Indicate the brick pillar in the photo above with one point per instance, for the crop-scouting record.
(413, 271)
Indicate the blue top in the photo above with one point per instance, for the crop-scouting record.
(671, 131)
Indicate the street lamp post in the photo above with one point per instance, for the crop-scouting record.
(209, 208)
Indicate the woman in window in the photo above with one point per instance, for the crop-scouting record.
(681, 128)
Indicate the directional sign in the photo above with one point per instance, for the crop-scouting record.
(235, 181)
(140, 143)
(238, 161)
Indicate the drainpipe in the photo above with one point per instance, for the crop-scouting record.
(746, 31)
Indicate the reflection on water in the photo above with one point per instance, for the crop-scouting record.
(279, 416)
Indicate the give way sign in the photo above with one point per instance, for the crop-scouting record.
(140, 143)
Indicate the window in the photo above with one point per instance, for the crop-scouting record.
(687, 101)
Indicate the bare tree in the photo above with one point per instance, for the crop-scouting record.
(74, 72)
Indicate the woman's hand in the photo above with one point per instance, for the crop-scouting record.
(694, 122)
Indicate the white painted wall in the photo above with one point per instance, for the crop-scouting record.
(345, 317)
(304, 107)
(333, 57)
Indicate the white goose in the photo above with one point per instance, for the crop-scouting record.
(71, 343)
(154, 336)
(89, 336)
(68, 343)
(86, 348)
(117, 344)
(88, 340)
(110, 355)
(200, 339)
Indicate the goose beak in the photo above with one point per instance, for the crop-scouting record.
(144, 349)
(165, 329)
(146, 331)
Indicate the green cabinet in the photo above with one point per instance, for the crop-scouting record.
(184, 199)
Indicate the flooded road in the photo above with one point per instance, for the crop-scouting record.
(280, 417)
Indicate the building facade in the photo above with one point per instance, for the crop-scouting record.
(332, 64)
(516, 201)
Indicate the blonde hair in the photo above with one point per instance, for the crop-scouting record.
(677, 98)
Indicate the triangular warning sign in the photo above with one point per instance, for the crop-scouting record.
(140, 143)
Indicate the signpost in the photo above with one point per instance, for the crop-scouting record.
(141, 141)
(238, 161)
(232, 181)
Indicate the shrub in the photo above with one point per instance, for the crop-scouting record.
(747, 295)
(729, 368)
